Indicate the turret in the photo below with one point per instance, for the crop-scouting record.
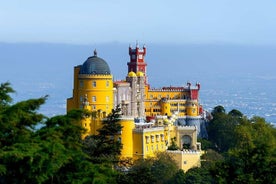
(132, 79)
(137, 60)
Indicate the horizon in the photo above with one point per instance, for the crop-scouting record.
(232, 76)
(214, 42)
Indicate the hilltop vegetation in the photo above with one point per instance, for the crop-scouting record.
(239, 150)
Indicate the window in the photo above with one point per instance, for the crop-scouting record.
(94, 99)
(162, 137)
(94, 84)
(147, 139)
(107, 83)
(81, 99)
(156, 146)
(157, 138)
(152, 138)
(94, 107)
(107, 98)
(81, 84)
(151, 96)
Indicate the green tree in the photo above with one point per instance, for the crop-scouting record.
(106, 146)
(253, 159)
(173, 145)
(235, 113)
(218, 110)
(178, 178)
(221, 132)
(198, 176)
(159, 169)
(221, 129)
(5, 98)
(51, 154)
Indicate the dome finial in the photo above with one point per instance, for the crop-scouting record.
(95, 52)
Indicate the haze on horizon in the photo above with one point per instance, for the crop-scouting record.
(227, 45)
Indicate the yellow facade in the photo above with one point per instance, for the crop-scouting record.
(168, 102)
(186, 159)
(93, 91)
(96, 89)
(150, 141)
(127, 137)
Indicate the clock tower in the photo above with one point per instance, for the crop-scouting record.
(137, 61)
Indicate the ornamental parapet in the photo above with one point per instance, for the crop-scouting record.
(131, 118)
(176, 89)
(185, 152)
(190, 117)
(186, 127)
(166, 90)
(108, 76)
(152, 129)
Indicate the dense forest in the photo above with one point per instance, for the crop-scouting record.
(38, 149)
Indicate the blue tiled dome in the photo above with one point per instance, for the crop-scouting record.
(95, 65)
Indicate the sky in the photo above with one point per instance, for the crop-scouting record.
(251, 22)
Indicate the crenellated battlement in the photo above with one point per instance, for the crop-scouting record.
(185, 152)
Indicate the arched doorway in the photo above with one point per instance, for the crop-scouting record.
(186, 142)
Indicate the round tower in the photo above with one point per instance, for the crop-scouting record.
(165, 107)
(93, 88)
(192, 108)
(127, 137)
(132, 79)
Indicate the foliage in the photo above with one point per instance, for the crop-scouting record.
(235, 113)
(240, 150)
(159, 169)
(253, 159)
(178, 178)
(173, 145)
(51, 154)
(205, 143)
(198, 176)
(221, 129)
(108, 134)
(5, 98)
(218, 110)
(249, 147)
(106, 146)
(210, 158)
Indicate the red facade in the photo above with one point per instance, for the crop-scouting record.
(137, 60)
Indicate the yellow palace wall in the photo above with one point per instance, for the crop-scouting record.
(98, 89)
(126, 137)
(176, 101)
(186, 159)
(148, 141)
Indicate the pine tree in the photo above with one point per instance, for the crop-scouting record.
(106, 146)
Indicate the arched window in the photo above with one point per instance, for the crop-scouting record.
(94, 84)
(186, 142)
